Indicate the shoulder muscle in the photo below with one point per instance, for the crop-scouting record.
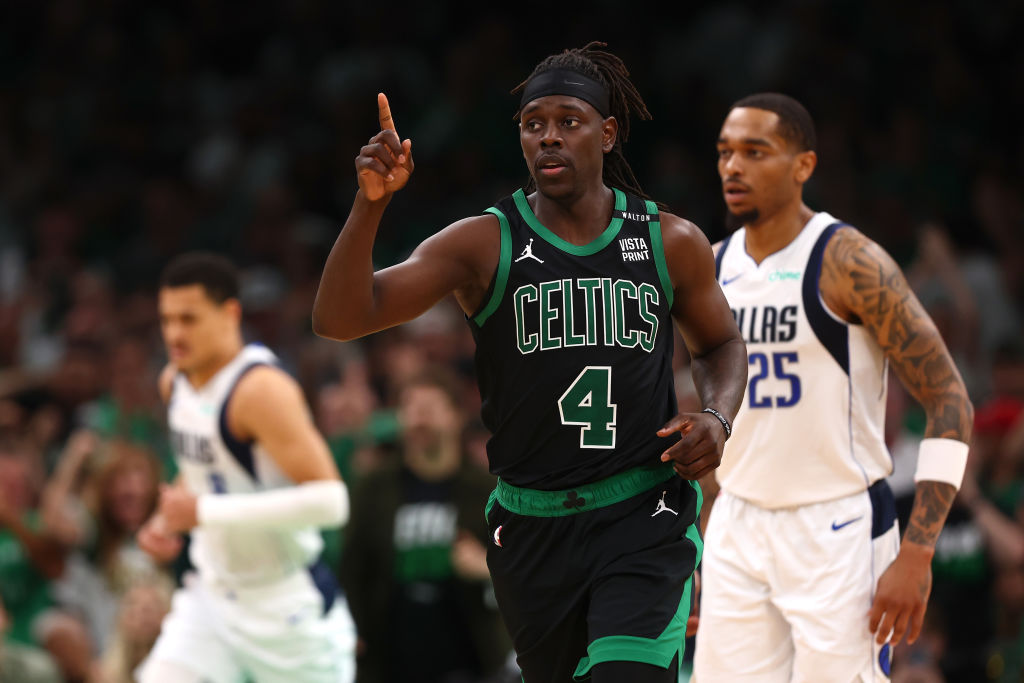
(688, 252)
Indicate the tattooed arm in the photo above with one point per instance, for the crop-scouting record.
(861, 283)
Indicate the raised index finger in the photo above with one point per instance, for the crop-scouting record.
(384, 110)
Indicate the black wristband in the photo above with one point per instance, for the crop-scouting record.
(721, 418)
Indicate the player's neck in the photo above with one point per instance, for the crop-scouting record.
(578, 219)
(773, 233)
(199, 376)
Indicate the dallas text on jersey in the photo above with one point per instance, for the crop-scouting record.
(766, 324)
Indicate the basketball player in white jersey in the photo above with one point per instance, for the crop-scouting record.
(804, 575)
(256, 484)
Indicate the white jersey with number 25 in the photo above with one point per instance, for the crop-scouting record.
(811, 425)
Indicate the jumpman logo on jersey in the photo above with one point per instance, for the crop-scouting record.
(528, 253)
(662, 507)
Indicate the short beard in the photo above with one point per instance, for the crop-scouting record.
(735, 221)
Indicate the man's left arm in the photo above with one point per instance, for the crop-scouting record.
(268, 407)
(862, 283)
(718, 354)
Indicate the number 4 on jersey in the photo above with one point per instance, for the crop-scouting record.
(587, 404)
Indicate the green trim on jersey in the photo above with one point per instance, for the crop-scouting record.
(659, 253)
(551, 238)
(614, 489)
(654, 651)
(501, 276)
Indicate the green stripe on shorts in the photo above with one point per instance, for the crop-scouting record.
(654, 651)
(614, 489)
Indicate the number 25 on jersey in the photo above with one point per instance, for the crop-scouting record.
(778, 365)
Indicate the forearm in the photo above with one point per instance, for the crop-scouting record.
(344, 298)
(321, 503)
(720, 377)
(932, 502)
(941, 459)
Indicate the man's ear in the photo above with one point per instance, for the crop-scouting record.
(609, 134)
(805, 165)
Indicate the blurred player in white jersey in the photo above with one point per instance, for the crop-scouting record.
(804, 575)
(256, 484)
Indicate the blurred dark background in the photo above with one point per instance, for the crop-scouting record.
(132, 131)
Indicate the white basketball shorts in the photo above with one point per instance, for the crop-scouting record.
(785, 593)
(279, 632)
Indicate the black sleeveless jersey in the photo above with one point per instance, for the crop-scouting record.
(574, 348)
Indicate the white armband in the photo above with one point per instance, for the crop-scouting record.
(941, 460)
(319, 503)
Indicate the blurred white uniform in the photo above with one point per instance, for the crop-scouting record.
(260, 604)
(805, 522)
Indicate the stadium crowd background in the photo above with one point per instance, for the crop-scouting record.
(130, 132)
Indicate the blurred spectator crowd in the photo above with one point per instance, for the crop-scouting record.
(130, 132)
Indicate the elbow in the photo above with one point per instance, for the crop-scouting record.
(328, 328)
(320, 327)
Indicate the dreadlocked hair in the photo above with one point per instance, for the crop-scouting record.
(623, 100)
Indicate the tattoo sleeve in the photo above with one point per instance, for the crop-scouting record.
(863, 280)
(931, 505)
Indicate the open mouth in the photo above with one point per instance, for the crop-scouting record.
(735, 192)
(551, 166)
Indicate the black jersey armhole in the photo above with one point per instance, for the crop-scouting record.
(658, 247)
(495, 293)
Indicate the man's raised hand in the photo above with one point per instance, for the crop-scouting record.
(385, 163)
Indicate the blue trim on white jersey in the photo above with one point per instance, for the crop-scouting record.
(241, 450)
(326, 584)
(883, 507)
(720, 255)
(832, 334)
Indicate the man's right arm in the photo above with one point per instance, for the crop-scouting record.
(352, 300)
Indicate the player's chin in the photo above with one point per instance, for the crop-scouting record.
(736, 216)
(561, 187)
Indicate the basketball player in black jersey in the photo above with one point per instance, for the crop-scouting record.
(571, 288)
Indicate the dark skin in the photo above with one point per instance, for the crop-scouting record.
(762, 170)
(564, 141)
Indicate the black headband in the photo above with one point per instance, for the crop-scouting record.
(566, 82)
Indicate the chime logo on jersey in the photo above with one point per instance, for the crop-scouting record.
(586, 312)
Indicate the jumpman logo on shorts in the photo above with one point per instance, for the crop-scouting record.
(662, 507)
(528, 253)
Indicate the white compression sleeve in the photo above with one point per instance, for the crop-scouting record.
(320, 503)
(941, 460)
